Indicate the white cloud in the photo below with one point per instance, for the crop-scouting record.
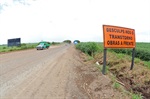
(57, 20)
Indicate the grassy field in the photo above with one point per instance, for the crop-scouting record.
(5, 48)
(142, 51)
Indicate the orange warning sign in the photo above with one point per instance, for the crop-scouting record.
(118, 37)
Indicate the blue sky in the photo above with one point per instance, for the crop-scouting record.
(57, 20)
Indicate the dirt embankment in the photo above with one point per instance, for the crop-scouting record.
(136, 80)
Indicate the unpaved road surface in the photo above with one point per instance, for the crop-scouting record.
(60, 72)
(43, 74)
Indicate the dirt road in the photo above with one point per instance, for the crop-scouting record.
(44, 74)
(60, 72)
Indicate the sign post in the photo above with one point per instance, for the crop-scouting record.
(118, 37)
(104, 61)
(133, 54)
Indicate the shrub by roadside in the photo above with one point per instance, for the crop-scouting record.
(89, 48)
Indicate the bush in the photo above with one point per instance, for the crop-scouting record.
(4, 47)
(88, 47)
(67, 41)
(143, 55)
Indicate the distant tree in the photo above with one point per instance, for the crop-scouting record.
(77, 41)
(67, 41)
(55, 43)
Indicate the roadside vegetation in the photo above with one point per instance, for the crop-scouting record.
(90, 48)
(136, 82)
(5, 48)
(67, 41)
(142, 51)
(55, 43)
(23, 46)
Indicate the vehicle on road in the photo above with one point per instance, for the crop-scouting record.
(43, 45)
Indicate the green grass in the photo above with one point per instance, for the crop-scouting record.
(5, 48)
(147, 64)
(136, 96)
(137, 60)
(116, 85)
(120, 56)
